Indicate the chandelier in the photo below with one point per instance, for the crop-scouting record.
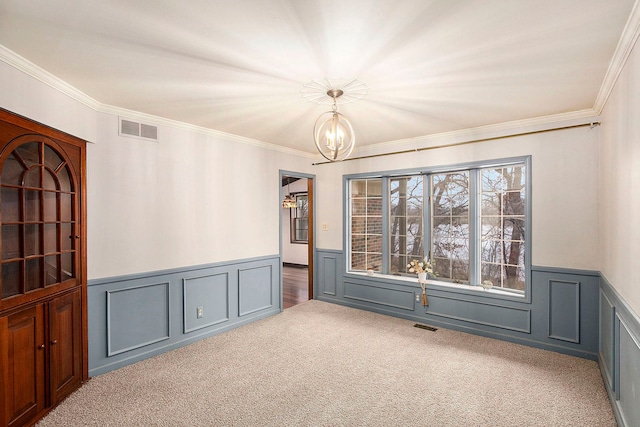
(289, 202)
(332, 132)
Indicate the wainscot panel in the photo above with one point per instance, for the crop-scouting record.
(206, 301)
(146, 307)
(383, 295)
(607, 330)
(138, 316)
(329, 274)
(480, 312)
(255, 289)
(564, 310)
(619, 356)
(561, 314)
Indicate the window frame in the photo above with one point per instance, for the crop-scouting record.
(473, 287)
(293, 216)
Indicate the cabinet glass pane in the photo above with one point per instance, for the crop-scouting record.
(33, 274)
(12, 171)
(10, 241)
(51, 269)
(51, 158)
(32, 178)
(66, 237)
(10, 205)
(50, 206)
(10, 279)
(65, 179)
(29, 152)
(49, 182)
(67, 266)
(50, 238)
(31, 205)
(32, 240)
(65, 207)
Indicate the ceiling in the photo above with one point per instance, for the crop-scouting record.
(239, 66)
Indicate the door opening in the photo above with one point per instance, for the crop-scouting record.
(297, 239)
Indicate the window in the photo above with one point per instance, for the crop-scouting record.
(300, 220)
(470, 221)
(406, 222)
(502, 218)
(450, 237)
(366, 224)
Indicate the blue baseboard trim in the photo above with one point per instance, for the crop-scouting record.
(134, 317)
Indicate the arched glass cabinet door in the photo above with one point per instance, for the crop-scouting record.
(38, 216)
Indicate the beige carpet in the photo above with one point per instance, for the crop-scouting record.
(320, 364)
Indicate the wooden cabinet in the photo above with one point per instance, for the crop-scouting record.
(43, 333)
(42, 342)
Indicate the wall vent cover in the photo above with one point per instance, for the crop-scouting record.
(138, 130)
(428, 328)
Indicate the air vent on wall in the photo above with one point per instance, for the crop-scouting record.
(138, 130)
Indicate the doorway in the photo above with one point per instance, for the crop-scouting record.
(296, 237)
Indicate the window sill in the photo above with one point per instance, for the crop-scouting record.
(440, 285)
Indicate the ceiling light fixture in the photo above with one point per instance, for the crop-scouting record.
(289, 202)
(332, 132)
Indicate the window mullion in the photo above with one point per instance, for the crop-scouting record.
(426, 214)
(386, 208)
(474, 228)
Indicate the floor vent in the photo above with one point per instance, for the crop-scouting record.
(428, 328)
(138, 130)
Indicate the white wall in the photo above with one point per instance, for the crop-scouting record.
(565, 195)
(188, 199)
(620, 184)
(191, 198)
(295, 253)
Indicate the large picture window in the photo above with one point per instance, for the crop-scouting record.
(470, 221)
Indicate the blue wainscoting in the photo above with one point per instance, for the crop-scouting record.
(561, 314)
(135, 317)
(619, 356)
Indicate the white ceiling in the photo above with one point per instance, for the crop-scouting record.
(239, 66)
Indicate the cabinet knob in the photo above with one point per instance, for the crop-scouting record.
(54, 342)
(41, 347)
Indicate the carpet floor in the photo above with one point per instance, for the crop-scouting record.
(321, 364)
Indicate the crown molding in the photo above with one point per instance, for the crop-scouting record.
(623, 50)
(504, 129)
(16, 61)
(161, 121)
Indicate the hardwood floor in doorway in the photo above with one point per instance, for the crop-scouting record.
(295, 285)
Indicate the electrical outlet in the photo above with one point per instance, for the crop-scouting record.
(325, 227)
(417, 298)
(199, 312)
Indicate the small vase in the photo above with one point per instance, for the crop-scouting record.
(422, 280)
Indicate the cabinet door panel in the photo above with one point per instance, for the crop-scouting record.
(65, 332)
(22, 365)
